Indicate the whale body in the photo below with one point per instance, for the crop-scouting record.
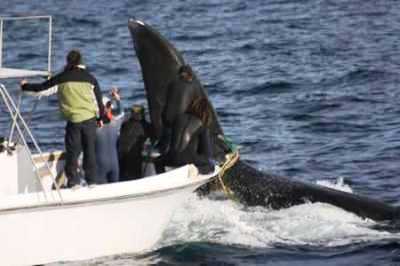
(160, 61)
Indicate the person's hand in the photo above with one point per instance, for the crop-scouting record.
(23, 82)
(115, 94)
(99, 123)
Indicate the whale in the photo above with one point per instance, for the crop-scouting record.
(160, 60)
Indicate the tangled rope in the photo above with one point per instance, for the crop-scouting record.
(231, 159)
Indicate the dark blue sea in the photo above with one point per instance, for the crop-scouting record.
(307, 89)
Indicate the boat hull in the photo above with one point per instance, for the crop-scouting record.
(86, 230)
(125, 217)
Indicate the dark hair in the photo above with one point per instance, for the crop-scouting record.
(137, 112)
(74, 58)
(200, 108)
(137, 108)
(187, 70)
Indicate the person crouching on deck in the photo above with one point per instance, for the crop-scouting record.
(134, 133)
(107, 137)
(79, 98)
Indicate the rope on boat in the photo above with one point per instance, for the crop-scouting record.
(231, 159)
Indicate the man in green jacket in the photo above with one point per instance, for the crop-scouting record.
(80, 103)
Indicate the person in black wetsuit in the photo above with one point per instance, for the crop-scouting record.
(133, 134)
(190, 140)
(181, 92)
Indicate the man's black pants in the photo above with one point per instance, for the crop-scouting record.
(80, 137)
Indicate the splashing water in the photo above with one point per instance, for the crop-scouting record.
(338, 185)
(227, 222)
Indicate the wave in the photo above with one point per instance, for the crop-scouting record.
(362, 76)
(194, 37)
(269, 87)
(335, 127)
(84, 21)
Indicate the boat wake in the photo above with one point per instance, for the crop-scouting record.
(219, 220)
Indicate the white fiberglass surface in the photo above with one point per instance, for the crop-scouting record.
(176, 178)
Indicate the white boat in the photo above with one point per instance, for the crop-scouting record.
(38, 227)
(41, 223)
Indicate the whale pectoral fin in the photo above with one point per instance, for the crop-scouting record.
(184, 128)
(177, 103)
(160, 62)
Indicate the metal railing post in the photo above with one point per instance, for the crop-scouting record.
(50, 40)
(12, 108)
(1, 42)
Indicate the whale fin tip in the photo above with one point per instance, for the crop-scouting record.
(132, 20)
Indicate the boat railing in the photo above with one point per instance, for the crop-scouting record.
(18, 123)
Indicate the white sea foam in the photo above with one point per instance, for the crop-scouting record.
(228, 222)
(338, 185)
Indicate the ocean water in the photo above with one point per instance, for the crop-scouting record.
(307, 89)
